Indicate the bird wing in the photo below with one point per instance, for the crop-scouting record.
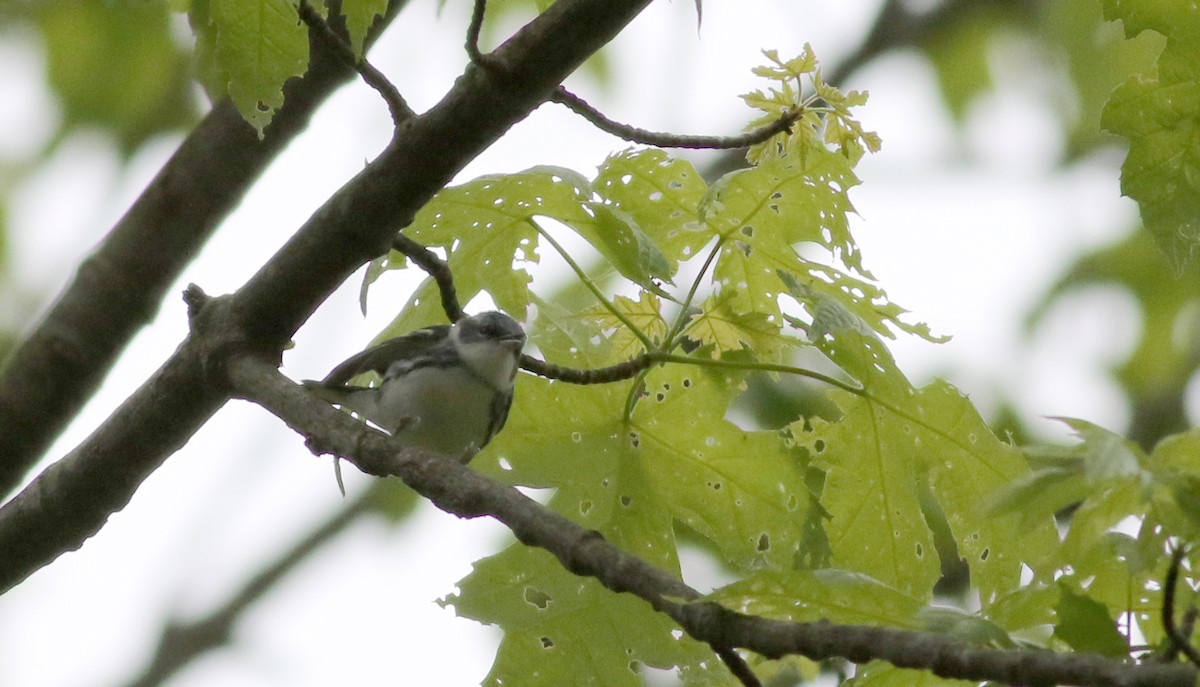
(378, 358)
(500, 406)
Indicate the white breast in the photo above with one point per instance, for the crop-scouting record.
(438, 409)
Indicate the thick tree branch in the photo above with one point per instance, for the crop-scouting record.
(71, 500)
(117, 290)
(458, 490)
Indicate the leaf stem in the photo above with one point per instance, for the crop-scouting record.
(681, 320)
(591, 286)
(663, 357)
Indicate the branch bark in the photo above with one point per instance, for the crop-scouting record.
(117, 290)
(458, 490)
(71, 500)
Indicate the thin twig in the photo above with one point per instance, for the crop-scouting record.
(737, 665)
(1178, 640)
(572, 375)
(473, 30)
(374, 78)
(668, 140)
(437, 269)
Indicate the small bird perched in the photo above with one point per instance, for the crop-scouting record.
(445, 388)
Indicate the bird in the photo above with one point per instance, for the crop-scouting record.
(444, 388)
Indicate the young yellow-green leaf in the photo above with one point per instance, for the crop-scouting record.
(811, 595)
(561, 629)
(1159, 112)
(645, 313)
(259, 45)
(892, 435)
(722, 329)
(360, 16)
(1085, 625)
(824, 114)
(661, 194)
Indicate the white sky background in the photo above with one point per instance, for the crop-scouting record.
(963, 227)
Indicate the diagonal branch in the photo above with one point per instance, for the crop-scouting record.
(117, 290)
(73, 498)
(397, 106)
(661, 139)
(457, 489)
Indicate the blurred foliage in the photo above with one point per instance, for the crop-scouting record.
(116, 66)
(1158, 111)
(1158, 371)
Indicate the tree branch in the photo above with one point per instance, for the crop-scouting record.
(660, 139)
(397, 106)
(73, 498)
(117, 290)
(458, 490)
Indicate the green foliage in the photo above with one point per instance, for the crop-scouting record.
(851, 516)
(145, 87)
(831, 517)
(1085, 625)
(1159, 112)
(360, 15)
(247, 49)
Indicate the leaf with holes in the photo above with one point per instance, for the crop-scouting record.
(487, 224)
(259, 44)
(741, 490)
(560, 629)
(891, 436)
(661, 194)
(644, 313)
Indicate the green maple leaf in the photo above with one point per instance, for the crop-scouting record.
(561, 629)
(661, 194)
(360, 16)
(887, 439)
(257, 45)
(723, 330)
(1159, 112)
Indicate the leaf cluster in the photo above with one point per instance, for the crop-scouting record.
(849, 519)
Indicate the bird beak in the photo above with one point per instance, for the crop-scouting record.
(515, 344)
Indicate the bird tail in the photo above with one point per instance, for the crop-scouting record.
(332, 394)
